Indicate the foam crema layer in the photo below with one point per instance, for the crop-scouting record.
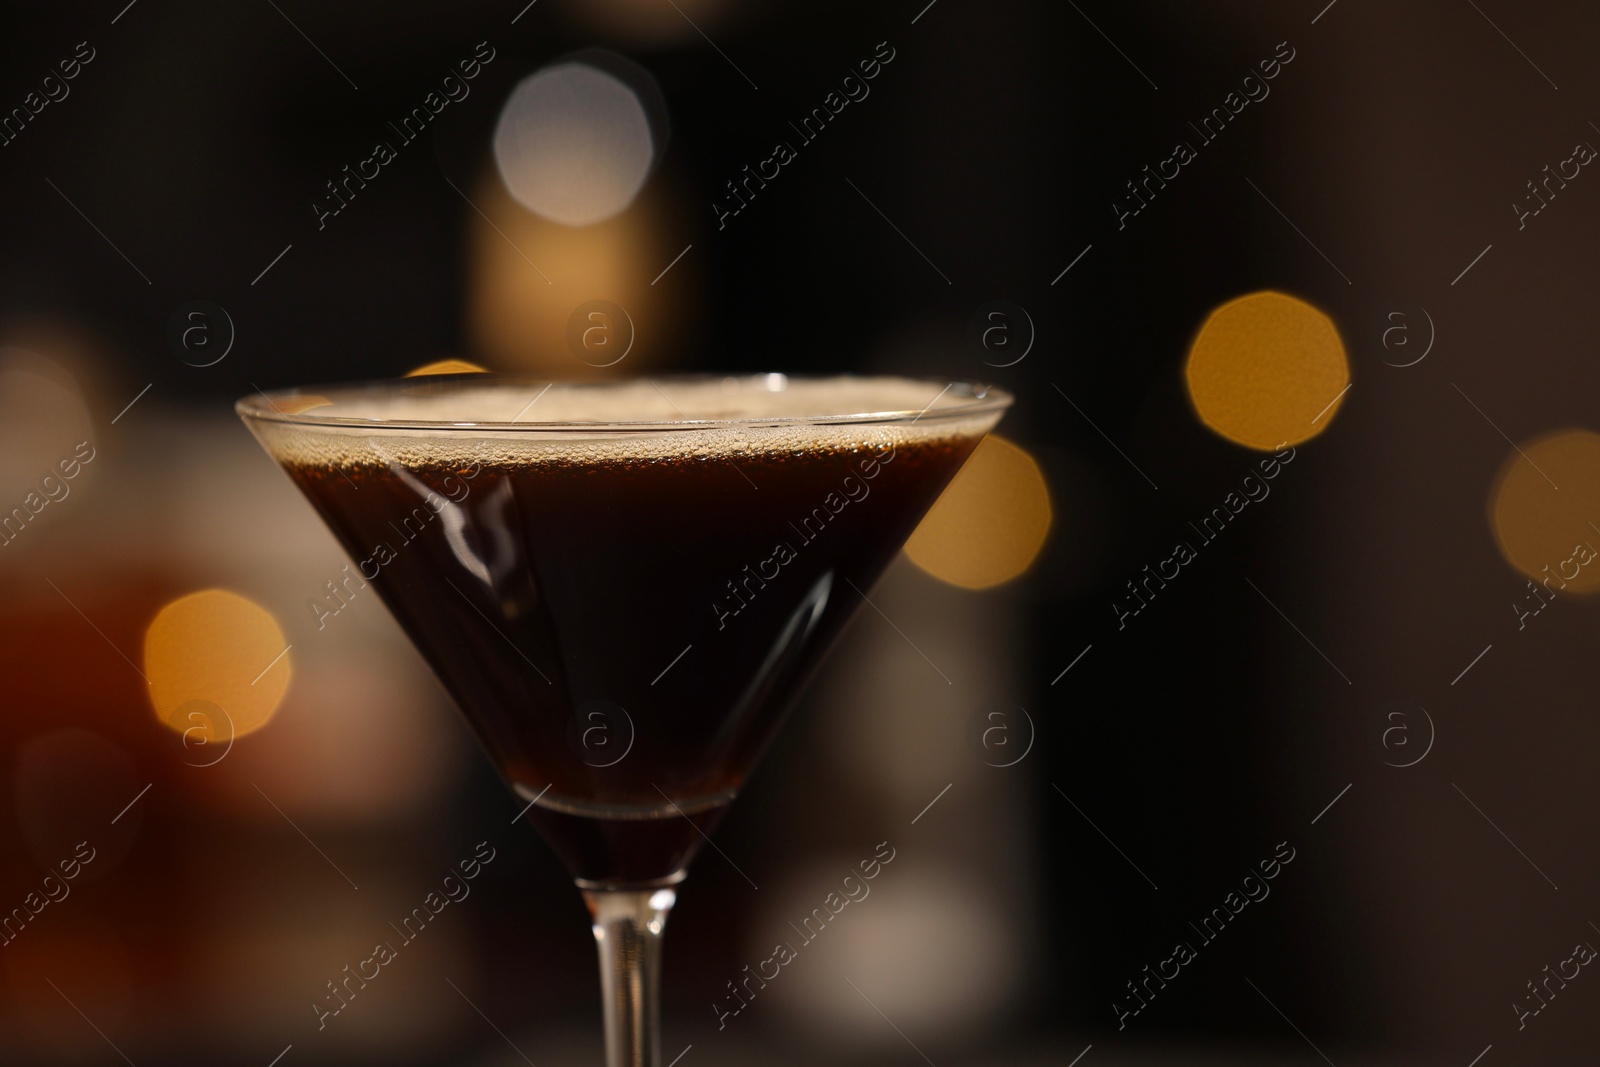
(513, 422)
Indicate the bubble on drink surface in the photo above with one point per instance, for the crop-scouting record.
(601, 733)
(574, 143)
(886, 412)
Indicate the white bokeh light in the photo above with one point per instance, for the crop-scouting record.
(573, 144)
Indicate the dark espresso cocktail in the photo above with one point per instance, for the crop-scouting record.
(624, 615)
(624, 588)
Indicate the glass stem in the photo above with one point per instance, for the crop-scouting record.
(628, 925)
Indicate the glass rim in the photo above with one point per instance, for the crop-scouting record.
(980, 399)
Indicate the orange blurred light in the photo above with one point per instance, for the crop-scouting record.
(1549, 533)
(215, 651)
(446, 366)
(521, 315)
(991, 521)
(1267, 370)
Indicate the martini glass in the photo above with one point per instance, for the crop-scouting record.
(624, 585)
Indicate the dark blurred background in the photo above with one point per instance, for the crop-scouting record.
(1169, 758)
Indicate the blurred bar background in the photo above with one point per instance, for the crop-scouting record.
(1154, 766)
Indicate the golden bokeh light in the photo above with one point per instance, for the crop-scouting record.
(1267, 370)
(991, 521)
(1549, 533)
(446, 366)
(215, 649)
(519, 315)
